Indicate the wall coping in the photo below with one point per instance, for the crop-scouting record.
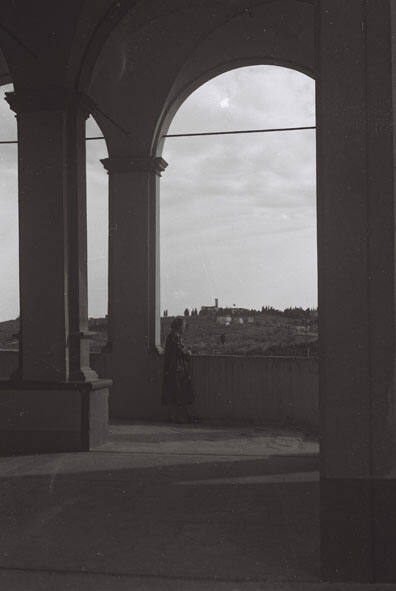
(208, 356)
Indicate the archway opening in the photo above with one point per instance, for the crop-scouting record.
(238, 216)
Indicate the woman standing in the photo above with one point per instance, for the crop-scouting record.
(177, 389)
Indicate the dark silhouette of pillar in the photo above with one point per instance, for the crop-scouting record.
(356, 221)
(134, 307)
(54, 402)
(52, 234)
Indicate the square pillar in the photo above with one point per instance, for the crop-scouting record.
(134, 284)
(52, 234)
(54, 349)
(356, 252)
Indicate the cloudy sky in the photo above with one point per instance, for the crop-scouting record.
(237, 212)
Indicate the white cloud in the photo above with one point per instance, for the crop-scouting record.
(225, 103)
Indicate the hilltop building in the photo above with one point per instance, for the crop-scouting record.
(210, 310)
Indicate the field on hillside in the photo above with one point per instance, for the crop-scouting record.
(273, 335)
(9, 334)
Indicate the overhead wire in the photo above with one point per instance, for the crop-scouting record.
(204, 133)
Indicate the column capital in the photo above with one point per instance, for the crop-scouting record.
(55, 98)
(135, 163)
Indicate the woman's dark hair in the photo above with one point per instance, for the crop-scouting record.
(177, 323)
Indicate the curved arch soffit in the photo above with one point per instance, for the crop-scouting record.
(176, 101)
(116, 13)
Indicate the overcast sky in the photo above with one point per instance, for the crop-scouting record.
(237, 212)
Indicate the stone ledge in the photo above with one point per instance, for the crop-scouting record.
(8, 384)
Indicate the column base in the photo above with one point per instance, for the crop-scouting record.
(358, 530)
(45, 417)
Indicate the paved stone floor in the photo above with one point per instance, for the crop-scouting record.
(166, 507)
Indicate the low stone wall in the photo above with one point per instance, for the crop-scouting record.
(262, 390)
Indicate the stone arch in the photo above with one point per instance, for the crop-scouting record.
(183, 53)
(119, 12)
(144, 72)
(175, 101)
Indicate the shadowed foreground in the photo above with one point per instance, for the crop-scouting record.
(165, 507)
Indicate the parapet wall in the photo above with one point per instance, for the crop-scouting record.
(275, 390)
(261, 390)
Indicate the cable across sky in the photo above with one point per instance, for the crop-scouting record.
(204, 133)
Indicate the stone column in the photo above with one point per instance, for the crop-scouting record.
(133, 281)
(55, 402)
(52, 235)
(356, 248)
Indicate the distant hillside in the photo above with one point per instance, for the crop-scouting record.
(305, 349)
(269, 335)
(10, 328)
(8, 331)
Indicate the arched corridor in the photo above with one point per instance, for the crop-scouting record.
(130, 65)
